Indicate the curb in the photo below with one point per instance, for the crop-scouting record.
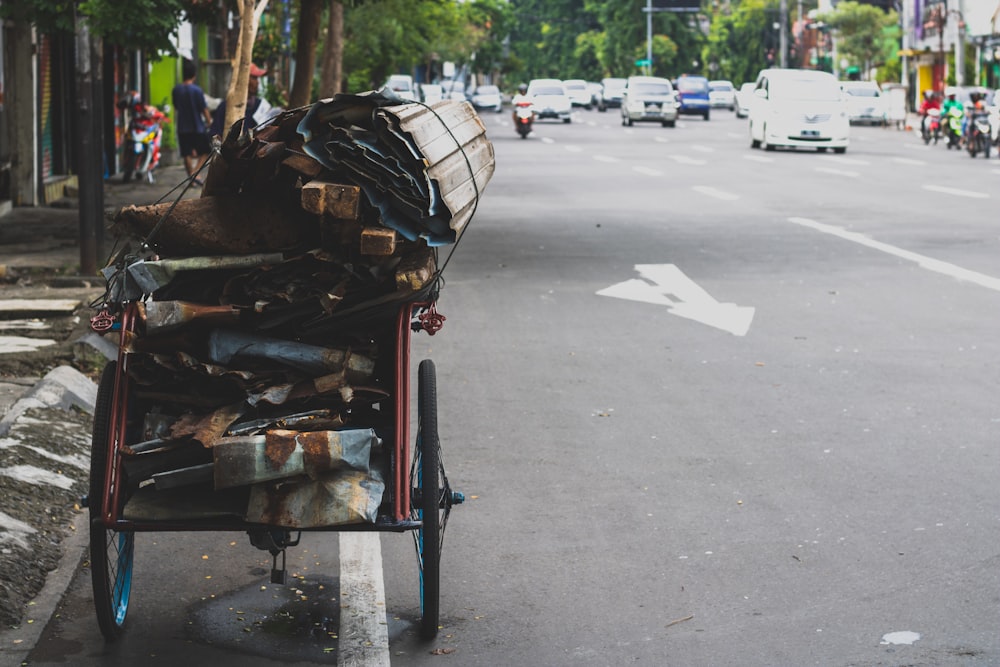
(63, 387)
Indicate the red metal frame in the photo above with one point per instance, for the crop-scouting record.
(399, 475)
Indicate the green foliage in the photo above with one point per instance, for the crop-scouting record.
(738, 42)
(866, 36)
(133, 24)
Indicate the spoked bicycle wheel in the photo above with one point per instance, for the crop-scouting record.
(432, 499)
(111, 551)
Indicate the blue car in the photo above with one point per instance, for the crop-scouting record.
(692, 94)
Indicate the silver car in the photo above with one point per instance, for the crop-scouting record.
(649, 99)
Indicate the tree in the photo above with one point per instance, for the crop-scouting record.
(739, 42)
(236, 97)
(866, 35)
(332, 69)
(310, 17)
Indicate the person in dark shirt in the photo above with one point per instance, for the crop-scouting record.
(258, 109)
(193, 118)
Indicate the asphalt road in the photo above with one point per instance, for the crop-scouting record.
(805, 476)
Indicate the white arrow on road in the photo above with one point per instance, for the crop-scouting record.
(666, 285)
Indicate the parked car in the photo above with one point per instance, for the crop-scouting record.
(649, 99)
(799, 109)
(865, 102)
(743, 98)
(579, 94)
(453, 89)
(550, 100)
(692, 94)
(611, 95)
(722, 94)
(487, 98)
(431, 93)
(402, 85)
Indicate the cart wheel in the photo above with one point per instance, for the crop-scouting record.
(111, 551)
(427, 478)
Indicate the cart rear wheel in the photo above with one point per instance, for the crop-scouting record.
(427, 477)
(111, 551)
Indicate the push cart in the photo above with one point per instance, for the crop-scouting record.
(417, 496)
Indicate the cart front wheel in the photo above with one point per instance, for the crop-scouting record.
(111, 551)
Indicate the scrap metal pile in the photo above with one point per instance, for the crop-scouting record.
(262, 365)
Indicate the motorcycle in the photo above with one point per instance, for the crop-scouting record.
(980, 134)
(142, 140)
(931, 129)
(953, 128)
(524, 117)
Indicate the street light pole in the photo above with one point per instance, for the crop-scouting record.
(649, 36)
(783, 34)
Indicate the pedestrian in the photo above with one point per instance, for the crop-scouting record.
(193, 118)
(258, 110)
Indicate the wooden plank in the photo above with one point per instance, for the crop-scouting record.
(415, 270)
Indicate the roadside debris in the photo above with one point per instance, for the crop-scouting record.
(263, 357)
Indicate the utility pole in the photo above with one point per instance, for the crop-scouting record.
(783, 34)
(649, 36)
(90, 171)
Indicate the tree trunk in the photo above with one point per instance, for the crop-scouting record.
(332, 76)
(236, 98)
(310, 14)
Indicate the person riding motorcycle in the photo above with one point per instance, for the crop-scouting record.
(521, 97)
(950, 104)
(930, 101)
(977, 105)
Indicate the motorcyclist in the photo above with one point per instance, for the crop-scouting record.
(977, 105)
(520, 98)
(946, 108)
(930, 101)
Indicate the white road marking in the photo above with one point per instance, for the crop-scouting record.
(574, 149)
(702, 149)
(758, 158)
(662, 140)
(666, 285)
(923, 261)
(838, 172)
(956, 191)
(363, 640)
(684, 159)
(715, 192)
(845, 160)
(736, 135)
(648, 171)
(906, 160)
(605, 158)
(548, 140)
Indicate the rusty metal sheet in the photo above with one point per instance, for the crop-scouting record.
(335, 499)
(152, 275)
(282, 453)
(164, 316)
(208, 429)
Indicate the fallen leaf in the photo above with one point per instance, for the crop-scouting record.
(442, 651)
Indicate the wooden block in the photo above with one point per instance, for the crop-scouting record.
(415, 270)
(333, 199)
(378, 241)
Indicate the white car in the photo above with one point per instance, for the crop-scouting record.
(649, 99)
(402, 85)
(487, 98)
(744, 96)
(865, 102)
(579, 94)
(431, 93)
(798, 108)
(550, 100)
(722, 95)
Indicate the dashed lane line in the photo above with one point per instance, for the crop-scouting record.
(605, 158)
(906, 160)
(957, 192)
(715, 192)
(838, 172)
(648, 171)
(684, 159)
(758, 158)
